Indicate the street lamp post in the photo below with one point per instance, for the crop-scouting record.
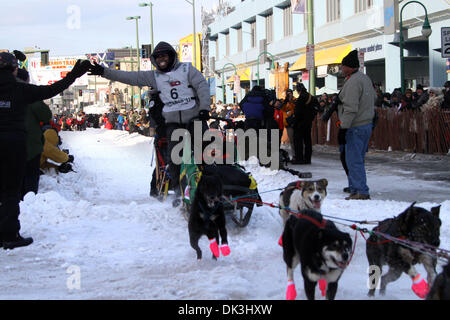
(223, 78)
(426, 32)
(194, 41)
(137, 51)
(272, 66)
(150, 4)
(132, 87)
(312, 72)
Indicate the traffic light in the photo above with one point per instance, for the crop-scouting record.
(80, 93)
(146, 50)
(117, 65)
(44, 58)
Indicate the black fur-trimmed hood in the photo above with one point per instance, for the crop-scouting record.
(164, 47)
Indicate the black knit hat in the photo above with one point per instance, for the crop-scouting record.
(351, 60)
(7, 61)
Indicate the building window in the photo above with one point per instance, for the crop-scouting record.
(227, 44)
(269, 28)
(239, 39)
(287, 21)
(333, 10)
(363, 5)
(253, 34)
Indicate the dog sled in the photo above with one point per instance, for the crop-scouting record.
(240, 192)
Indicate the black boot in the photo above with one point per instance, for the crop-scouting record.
(154, 193)
(297, 161)
(16, 242)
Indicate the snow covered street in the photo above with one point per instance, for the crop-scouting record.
(100, 223)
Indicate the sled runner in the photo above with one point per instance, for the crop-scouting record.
(161, 178)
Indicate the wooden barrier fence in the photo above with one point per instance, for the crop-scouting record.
(421, 132)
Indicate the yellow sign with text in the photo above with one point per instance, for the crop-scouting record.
(186, 53)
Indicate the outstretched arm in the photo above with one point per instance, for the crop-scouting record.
(33, 93)
(134, 78)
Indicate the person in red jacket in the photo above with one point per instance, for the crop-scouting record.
(278, 115)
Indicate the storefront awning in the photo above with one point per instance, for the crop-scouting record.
(324, 57)
(244, 74)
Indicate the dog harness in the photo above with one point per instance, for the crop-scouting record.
(207, 214)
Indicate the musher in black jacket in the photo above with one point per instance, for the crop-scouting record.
(14, 97)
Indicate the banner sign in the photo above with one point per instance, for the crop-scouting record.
(100, 57)
(390, 16)
(146, 64)
(56, 70)
(361, 55)
(237, 84)
(298, 6)
(310, 63)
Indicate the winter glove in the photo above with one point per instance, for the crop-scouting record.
(203, 115)
(80, 68)
(341, 136)
(20, 55)
(96, 70)
(71, 158)
(65, 167)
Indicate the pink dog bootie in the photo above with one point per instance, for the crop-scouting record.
(291, 292)
(323, 286)
(214, 247)
(225, 249)
(280, 241)
(420, 286)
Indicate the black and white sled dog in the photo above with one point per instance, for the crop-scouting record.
(319, 247)
(207, 216)
(440, 290)
(301, 195)
(414, 224)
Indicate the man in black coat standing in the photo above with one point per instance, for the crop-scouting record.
(305, 111)
(14, 98)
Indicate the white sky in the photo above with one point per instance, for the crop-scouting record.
(53, 24)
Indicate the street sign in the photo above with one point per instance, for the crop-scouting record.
(237, 84)
(310, 57)
(445, 40)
